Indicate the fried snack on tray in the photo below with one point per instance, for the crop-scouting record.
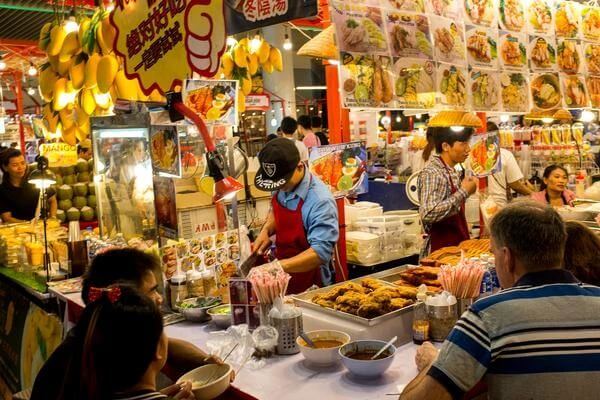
(369, 299)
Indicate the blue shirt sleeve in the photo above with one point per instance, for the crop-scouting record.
(322, 226)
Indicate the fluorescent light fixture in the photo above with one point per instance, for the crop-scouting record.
(457, 128)
(587, 116)
(504, 118)
(122, 133)
(311, 87)
(547, 120)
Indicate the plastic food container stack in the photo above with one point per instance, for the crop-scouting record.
(389, 228)
(361, 209)
(363, 247)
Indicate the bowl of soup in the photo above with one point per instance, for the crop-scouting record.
(327, 343)
(356, 357)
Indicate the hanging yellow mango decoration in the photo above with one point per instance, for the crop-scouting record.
(82, 76)
(242, 62)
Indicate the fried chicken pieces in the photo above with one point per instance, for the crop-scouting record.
(370, 299)
(414, 277)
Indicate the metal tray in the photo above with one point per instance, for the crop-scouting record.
(303, 300)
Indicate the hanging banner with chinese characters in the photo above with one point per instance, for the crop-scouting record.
(164, 41)
(246, 15)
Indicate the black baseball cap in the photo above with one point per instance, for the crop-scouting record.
(278, 160)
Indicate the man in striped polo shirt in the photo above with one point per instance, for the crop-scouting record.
(537, 339)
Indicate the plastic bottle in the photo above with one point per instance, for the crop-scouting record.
(420, 326)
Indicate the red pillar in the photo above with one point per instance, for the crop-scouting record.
(339, 132)
(20, 112)
(483, 182)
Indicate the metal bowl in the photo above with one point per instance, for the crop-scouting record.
(196, 314)
(222, 321)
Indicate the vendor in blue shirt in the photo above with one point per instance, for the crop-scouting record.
(303, 216)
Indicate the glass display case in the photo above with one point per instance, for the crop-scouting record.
(123, 176)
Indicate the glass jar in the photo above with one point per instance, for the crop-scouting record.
(210, 282)
(441, 321)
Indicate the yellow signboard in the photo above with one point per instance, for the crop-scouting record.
(59, 154)
(164, 41)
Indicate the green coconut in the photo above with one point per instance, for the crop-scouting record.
(65, 204)
(91, 164)
(56, 170)
(73, 214)
(64, 192)
(69, 179)
(60, 214)
(59, 180)
(68, 170)
(79, 202)
(87, 213)
(91, 188)
(91, 200)
(83, 177)
(82, 165)
(80, 189)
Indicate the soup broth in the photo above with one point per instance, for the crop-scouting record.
(326, 343)
(367, 354)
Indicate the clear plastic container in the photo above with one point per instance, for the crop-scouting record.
(363, 247)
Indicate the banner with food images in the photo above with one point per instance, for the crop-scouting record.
(513, 51)
(342, 167)
(415, 83)
(574, 92)
(514, 92)
(484, 156)
(484, 89)
(409, 35)
(448, 44)
(165, 151)
(542, 54)
(593, 88)
(482, 47)
(449, 40)
(214, 100)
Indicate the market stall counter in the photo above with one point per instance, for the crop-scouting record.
(291, 377)
(30, 330)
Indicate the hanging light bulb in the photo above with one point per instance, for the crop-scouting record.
(418, 116)
(2, 64)
(32, 71)
(71, 24)
(31, 91)
(231, 41)
(287, 43)
(255, 43)
(398, 119)
(504, 118)
(587, 116)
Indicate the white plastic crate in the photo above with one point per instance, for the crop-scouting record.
(363, 247)
(361, 209)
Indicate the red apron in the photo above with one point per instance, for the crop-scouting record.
(451, 230)
(290, 241)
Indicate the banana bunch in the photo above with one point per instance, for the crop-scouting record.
(242, 62)
(82, 76)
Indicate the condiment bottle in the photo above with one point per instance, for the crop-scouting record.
(178, 289)
(209, 282)
(420, 326)
(195, 284)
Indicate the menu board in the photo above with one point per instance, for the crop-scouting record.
(542, 54)
(478, 55)
(484, 156)
(484, 87)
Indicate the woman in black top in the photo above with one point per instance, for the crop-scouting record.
(19, 198)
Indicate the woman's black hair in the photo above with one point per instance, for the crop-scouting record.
(119, 336)
(447, 135)
(5, 157)
(116, 266)
(429, 146)
(548, 171)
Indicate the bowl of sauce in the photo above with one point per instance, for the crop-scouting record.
(327, 343)
(356, 357)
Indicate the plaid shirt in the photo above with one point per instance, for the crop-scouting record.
(435, 195)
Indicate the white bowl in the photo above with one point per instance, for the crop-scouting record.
(326, 356)
(220, 380)
(367, 368)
